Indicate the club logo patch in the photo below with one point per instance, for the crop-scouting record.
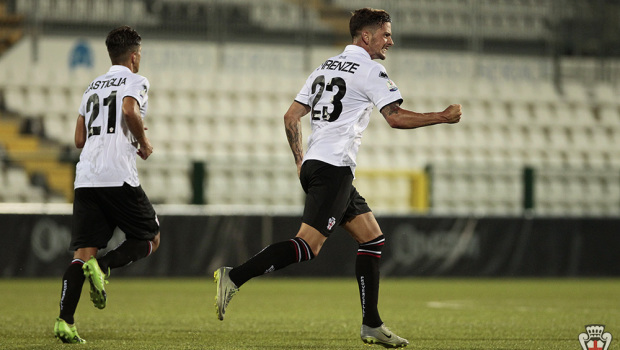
(595, 338)
(331, 222)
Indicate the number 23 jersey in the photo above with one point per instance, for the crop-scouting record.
(109, 155)
(341, 93)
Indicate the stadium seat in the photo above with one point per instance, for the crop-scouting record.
(156, 186)
(604, 94)
(522, 116)
(80, 78)
(203, 103)
(179, 128)
(157, 132)
(18, 187)
(265, 107)
(182, 103)
(56, 101)
(574, 92)
(74, 99)
(609, 116)
(36, 102)
(54, 127)
(160, 104)
(179, 186)
(476, 113)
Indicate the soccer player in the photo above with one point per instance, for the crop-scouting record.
(107, 190)
(339, 95)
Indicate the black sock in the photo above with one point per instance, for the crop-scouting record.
(367, 273)
(129, 251)
(72, 282)
(274, 257)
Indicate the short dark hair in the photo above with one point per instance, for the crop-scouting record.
(365, 17)
(121, 42)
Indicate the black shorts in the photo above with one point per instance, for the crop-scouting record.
(331, 198)
(97, 211)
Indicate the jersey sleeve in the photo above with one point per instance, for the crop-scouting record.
(380, 88)
(138, 88)
(303, 96)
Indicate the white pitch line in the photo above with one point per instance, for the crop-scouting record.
(455, 305)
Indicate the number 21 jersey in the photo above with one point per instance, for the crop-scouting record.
(109, 155)
(341, 93)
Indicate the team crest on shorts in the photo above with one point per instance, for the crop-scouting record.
(331, 222)
(595, 338)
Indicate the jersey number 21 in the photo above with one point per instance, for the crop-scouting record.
(92, 105)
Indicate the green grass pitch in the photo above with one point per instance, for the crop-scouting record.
(283, 313)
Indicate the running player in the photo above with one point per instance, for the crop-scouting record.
(107, 190)
(339, 95)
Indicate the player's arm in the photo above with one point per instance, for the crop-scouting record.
(133, 119)
(292, 125)
(80, 132)
(400, 118)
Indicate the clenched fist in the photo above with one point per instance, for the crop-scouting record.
(452, 114)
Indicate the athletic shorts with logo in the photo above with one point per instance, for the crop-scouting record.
(97, 211)
(331, 198)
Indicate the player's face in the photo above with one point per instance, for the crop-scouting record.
(136, 59)
(380, 41)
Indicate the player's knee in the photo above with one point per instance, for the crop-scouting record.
(312, 237)
(316, 248)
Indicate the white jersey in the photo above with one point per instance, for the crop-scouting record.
(109, 155)
(341, 94)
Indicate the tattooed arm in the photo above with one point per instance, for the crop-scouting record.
(400, 118)
(292, 125)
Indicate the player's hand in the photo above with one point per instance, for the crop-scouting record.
(452, 114)
(145, 149)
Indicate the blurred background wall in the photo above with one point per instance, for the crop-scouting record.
(538, 81)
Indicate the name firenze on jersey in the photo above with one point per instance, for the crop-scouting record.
(343, 66)
(102, 84)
